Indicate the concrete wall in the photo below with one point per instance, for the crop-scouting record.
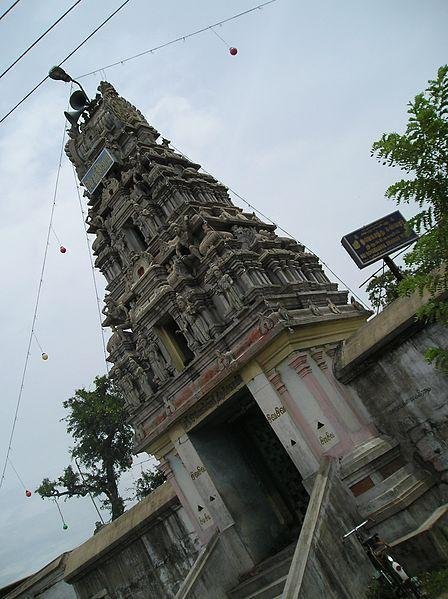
(323, 565)
(383, 364)
(48, 583)
(145, 553)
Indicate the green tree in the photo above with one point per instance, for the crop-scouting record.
(103, 446)
(148, 482)
(422, 154)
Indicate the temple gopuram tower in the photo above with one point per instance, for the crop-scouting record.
(223, 334)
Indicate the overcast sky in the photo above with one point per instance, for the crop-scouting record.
(288, 123)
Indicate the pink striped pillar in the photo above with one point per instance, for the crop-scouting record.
(296, 414)
(300, 364)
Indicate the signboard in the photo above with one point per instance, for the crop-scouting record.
(98, 170)
(378, 239)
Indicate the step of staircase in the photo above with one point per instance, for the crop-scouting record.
(267, 579)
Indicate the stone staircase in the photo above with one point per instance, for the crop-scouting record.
(267, 579)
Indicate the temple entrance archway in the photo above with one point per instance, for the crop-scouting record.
(253, 473)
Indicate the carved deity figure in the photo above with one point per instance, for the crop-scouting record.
(149, 349)
(183, 240)
(212, 238)
(314, 309)
(95, 223)
(194, 320)
(116, 314)
(332, 306)
(127, 384)
(141, 375)
(226, 285)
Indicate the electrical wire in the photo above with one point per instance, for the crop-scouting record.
(63, 61)
(17, 474)
(10, 8)
(279, 227)
(182, 38)
(90, 494)
(64, 523)
(35, 311)
(92, 267)
(38, 39)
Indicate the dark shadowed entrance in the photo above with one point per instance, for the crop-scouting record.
(255, 476)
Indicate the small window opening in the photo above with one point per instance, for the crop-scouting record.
(134, 238)
(175, 342)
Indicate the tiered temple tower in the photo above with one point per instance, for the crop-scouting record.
(222, 339)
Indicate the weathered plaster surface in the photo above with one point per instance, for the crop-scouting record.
(145, 553)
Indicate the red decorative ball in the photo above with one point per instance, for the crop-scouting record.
(233, 51)
(28, 493)
(62, 249)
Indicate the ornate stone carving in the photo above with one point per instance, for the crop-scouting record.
(266, 323)
(128, 386)
(314, 309)
(332, 306)
(226, 286)
(149, 349)
(224, 359)
(121, 108)
(245, 235)
(116, 314)
(194, 320)
(357, 305)
(212, 238)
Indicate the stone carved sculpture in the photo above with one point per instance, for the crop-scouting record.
(357, 304)
(314, 309)
(178, 272)
(224, 359)
(95, 223)
(332, 306)
(128, 386)
(225, 285)
(183, 241)
(116, 313)
(141, 375)
(149, 349)
(194, 320)
(212, 238)
(266, 323)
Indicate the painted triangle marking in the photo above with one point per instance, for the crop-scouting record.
(212, 498)
(319, 425)
(200, 508)
(293, 442)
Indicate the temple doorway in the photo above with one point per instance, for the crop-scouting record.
(254, 475)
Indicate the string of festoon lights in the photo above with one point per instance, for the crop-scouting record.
(32, 333)
(62, 248)
(233, 51)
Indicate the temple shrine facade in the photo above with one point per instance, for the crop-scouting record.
(223, 337)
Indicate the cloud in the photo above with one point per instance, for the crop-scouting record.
(177, 118)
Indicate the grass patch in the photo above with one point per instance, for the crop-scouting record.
(435, 583)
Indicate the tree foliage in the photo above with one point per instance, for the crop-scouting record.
(148, 482)
(103, 445)
(422, 154)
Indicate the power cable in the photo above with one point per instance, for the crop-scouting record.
(17, 474)
(36, 307)
(182, 38)
(98, 301)
(39, 38)
(10, 8)
(279, 227)
(90, 494)
(62, 62)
